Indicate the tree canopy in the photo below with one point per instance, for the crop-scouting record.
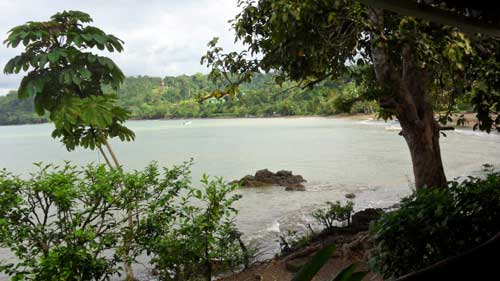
(310, 41)
(411, 63)
(65, 77)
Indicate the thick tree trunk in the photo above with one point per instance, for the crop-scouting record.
(425, 152)
(403, 84)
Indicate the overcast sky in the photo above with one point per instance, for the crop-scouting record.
(162, 37)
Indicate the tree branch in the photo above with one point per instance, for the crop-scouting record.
(437, 15)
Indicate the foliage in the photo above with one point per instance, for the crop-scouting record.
(311, 268)
(66, 80)
(334, 212)
(349, 97)
(197, 238)
(60, 222)
(144, 98)
(292, 241)
(14, 111)
(350, 274)
(65, 223)
(312, 41)
(432, 225)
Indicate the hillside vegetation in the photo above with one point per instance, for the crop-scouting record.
(179, 97)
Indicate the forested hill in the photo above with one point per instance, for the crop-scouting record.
(178, 97)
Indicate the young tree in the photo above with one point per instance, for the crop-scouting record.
(66, 80)
(407, 61)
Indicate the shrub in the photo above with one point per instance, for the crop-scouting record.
(435, 224)
(201, 239)
(65, 223)
(60, 222)
(334, 212)
(292, 241)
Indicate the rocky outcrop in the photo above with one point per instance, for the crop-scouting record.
(353, 245)
(362, 219)
(353, 242)
(267, 178)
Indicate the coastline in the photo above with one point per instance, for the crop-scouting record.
(339, 116)
(469, 117)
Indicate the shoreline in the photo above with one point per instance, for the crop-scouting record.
(469, 117)
(338, 116)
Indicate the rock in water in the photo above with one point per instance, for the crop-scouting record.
(267, 178)
(350, 196)
(295, 187)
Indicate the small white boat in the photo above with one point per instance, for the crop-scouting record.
(187, 123)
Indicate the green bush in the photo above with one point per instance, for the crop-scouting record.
(66, 223)
(334, 212)
(435, 224)
(60, 222)
(201, 239)
(292, 241)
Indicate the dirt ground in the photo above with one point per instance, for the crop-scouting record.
(352, 247)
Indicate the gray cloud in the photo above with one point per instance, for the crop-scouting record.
(162, 37)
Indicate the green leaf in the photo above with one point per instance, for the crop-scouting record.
(346, 273)
(358, 276)
(311, 268)
(85, 73)
(43, 60)
(53, 56)
(101, 39)
(39, 105)
(197, 194)
(61, 87)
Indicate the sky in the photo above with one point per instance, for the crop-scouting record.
(162, 37)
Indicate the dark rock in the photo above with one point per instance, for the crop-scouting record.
(393, 207)
(247, 178)
(296, 187)
(350, 196)
(267, 178)
(250, 181)
(361, 220)
(283, 173)
(359, 247)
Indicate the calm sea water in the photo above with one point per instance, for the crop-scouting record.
(336, 156)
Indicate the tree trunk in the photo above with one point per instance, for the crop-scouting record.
(128, 237)
(425, 153)
(403, 85)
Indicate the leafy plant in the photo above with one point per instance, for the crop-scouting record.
(65, 223)
(334, 212)
(60, 222)
(432, 225)
(197, 238)
(312, 267)
(66, 80)
(292, 241)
